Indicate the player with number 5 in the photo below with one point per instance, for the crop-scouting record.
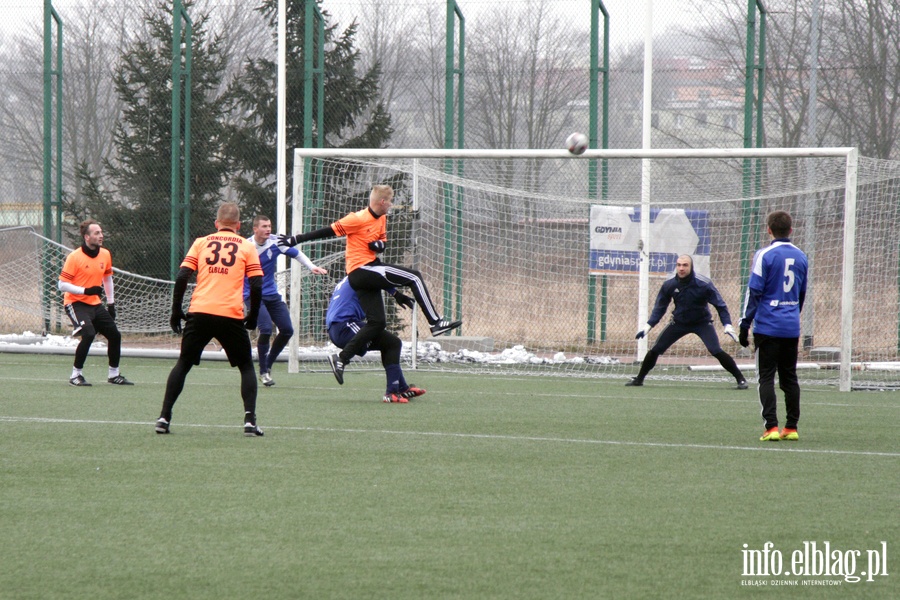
(775, 295)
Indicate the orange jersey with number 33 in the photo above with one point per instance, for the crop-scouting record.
(221, 260)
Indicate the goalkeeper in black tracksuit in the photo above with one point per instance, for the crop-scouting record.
(691, 294)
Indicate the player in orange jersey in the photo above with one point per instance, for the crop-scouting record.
(366, 232)
(221, 261)
(86, 274)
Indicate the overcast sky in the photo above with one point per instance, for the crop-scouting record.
(627, 17)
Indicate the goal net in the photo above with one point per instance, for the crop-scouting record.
(32, 306)
(553, 261)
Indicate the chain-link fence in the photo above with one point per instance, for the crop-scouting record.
(526, 74)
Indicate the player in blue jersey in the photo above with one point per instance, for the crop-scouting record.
(775, 295)
(273, 308)
(691, 293)
(345, 317)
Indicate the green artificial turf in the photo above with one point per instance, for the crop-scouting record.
(486, 487)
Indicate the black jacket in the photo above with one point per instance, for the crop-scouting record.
(691, 295)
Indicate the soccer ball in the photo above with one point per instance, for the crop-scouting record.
(577, 143)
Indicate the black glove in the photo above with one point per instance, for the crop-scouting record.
(176, 319)
(404, 300)
(376, 246)
(94, 290)
(250, 322)
(744, 337)
(286, 240)
(111, 309)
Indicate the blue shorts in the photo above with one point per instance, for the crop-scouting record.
(340, 334)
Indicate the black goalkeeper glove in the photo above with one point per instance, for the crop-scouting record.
(376, 246)
(250, 321)
(176, 319)
(111, 309)
(286, 240)
(404, 300)
(744, 337)
(94, 290)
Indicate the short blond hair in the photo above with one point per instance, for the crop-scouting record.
(229, 213)
(382, 192)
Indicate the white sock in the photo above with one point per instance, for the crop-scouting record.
(113, 372)
(75, 373)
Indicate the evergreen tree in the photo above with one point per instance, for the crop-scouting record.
(354, 118)
(137, 223)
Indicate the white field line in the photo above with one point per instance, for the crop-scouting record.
(768, 447)
(739, 397)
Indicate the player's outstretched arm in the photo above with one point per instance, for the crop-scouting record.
(302, 258)
(293, 240)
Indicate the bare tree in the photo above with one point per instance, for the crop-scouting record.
(528, 79)
(242, 30)
(92, 35)
(861, 73)
(407, 42)
(859, 68)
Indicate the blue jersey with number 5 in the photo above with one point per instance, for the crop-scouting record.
(776, 290)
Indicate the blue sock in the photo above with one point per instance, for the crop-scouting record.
(394, 378)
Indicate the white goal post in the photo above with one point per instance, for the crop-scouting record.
(510, 206)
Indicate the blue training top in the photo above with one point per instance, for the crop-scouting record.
(268, 260)
(344, 305)
(776, 290)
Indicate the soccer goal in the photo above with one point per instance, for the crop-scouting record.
(553, 261)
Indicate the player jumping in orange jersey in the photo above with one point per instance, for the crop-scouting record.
(366, 233)
(86, 274)
(221, 261)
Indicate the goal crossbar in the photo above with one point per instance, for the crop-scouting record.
(388, 153)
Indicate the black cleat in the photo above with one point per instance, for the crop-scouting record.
(79, 381)
(742, 385)
(635, 382)
(443, 326)
(119, 380)
(337, 367)
(162, 426)
(251, 430)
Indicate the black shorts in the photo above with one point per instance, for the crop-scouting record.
(94, 319)
(200, 328)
